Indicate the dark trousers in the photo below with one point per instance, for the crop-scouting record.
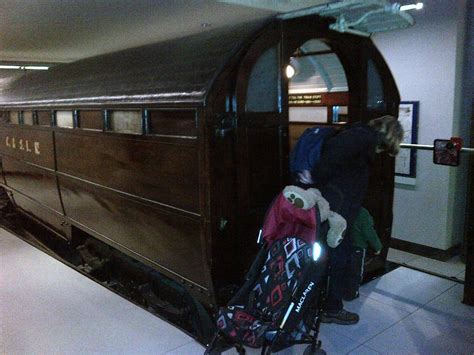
(339, 262)
(354, 273)
(340, 257)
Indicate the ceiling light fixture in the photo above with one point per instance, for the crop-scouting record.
(23, 67)
(9, 66)
(35, 67)
(417, 6)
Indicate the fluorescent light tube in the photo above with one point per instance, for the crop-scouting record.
(33, 67)
(24, 67)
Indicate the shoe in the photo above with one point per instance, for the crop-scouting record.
(340, 317)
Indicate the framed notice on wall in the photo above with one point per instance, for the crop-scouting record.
(405, 163)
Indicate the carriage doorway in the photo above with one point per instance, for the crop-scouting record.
(318, 93)
(327, 87)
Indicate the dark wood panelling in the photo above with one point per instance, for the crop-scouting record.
(173, 122)
(28, 144)
(424, 250)
(162, 172)
(91, 119)
(44, 118)
(324, 99)
(171, 241)
(264, 168)
(52, 220)
(36, 183)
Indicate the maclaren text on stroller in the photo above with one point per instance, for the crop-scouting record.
(280, 303)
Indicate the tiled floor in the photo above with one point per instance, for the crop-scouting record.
(453, 267)
(46, 307)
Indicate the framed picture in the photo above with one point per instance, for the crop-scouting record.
(405, 163)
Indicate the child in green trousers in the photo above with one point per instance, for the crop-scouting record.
(363, 236)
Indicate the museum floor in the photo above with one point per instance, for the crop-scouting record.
(46, 307)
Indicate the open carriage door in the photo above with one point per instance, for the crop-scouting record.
(262, 143)
(351, 83)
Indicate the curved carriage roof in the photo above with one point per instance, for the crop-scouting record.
(179, 70)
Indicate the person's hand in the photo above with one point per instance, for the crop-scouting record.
(377, 252)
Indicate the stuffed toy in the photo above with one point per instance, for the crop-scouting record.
(309, 198)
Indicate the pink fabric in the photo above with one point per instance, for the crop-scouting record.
(285, 220)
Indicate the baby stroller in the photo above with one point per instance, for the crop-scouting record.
(280, 303)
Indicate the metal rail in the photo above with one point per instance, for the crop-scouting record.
(430, 147)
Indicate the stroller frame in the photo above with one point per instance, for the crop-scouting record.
(309, 295)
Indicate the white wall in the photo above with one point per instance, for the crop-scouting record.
(426, 61)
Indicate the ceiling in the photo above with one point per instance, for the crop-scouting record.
(49, 31)
(55, 31)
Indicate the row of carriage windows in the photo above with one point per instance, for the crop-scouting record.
(157, 122)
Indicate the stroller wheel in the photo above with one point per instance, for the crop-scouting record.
(310, 350)
(212, 352)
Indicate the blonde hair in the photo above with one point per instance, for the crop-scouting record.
(390, 133)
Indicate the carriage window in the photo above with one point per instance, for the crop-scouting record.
(340, 114)
(318, 90)
(92, 119)
(316, 73)
(28, 118)
(170, 122)
(65, 119)
(308, 114)
(14, 117)
(375, 95)
(125, 122)
(262, 91)
(4, 117)
(44, 118)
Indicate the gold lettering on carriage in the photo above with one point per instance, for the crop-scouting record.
(23, 144)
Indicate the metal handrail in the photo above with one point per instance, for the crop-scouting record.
(430, 147)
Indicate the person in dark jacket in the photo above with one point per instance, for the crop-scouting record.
(363, 236)
(342, 176)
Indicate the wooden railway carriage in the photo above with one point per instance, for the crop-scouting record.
(172, 152)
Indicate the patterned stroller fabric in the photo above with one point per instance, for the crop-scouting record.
(269, 298)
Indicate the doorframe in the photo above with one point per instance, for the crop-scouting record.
(468, 297)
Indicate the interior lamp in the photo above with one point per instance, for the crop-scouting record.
(290, 71)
